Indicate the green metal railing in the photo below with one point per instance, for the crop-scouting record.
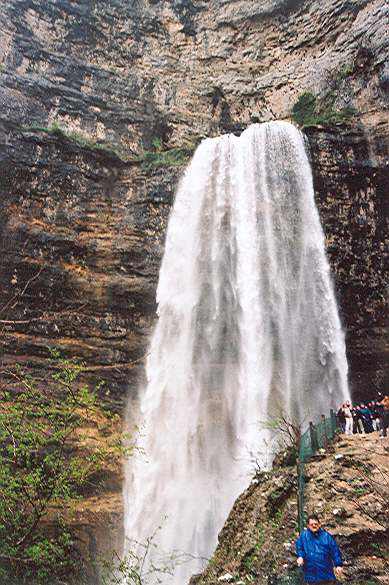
(317, 436)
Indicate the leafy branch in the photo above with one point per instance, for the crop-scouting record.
(45, 466)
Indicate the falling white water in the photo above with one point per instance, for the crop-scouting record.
(248, 326)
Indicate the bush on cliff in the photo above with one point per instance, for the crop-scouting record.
(307, 112)
(162, 157)
(43, 470)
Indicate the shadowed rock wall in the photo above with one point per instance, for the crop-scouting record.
(350, 178)
(82, 222)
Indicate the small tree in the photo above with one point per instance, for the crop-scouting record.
(144, 563)
(42, 470)
(286, 434)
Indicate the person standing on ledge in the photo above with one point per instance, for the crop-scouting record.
(318, 554)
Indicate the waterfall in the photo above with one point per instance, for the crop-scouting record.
(247, 327)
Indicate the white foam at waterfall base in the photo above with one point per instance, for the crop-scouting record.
(247, 327)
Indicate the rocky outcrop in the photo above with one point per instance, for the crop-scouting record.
(85, 89)
(81, 246)
(350, 175)
(88, 90)
(347, 486)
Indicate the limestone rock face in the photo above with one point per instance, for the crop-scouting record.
(343, 486)
(81, 246)
(350, 177)
(85, 87)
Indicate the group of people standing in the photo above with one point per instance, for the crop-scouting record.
(317, 551)
(365, 417)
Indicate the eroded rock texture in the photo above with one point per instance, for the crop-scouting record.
(83, 222)
(350, 179)
(343, 486)
(82, 231)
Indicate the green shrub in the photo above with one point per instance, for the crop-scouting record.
(176, 157)
(345, 71)
(43, 470)
(304, 110)
(158, 157)
(307, 112)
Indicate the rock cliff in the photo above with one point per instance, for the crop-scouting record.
(85, 88)
(101, 102)
(347, 486)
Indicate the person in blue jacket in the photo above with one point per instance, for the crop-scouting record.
(318, 554)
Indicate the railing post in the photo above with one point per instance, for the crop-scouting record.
(304, 456)
(325, 436)
(300, 495)
(313, 437)
(333, 422)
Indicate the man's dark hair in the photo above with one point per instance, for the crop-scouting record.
(313, 517)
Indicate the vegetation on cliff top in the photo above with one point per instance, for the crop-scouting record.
(163, 157)
(310, 110)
